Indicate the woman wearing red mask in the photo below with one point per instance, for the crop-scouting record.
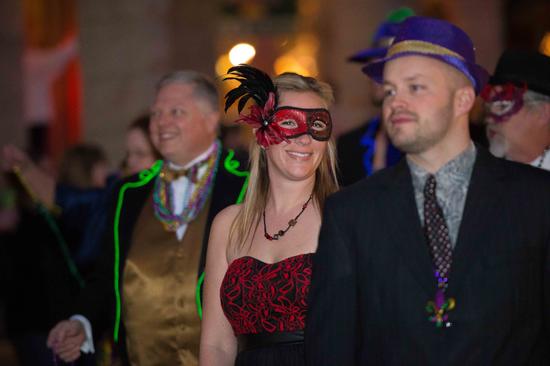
(260, 252)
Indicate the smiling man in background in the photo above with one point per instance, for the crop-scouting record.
(155, 246)
(517, 103)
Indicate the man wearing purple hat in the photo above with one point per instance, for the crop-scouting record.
(517, 103)
(443, 259)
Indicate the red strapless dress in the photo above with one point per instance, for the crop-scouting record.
(266, 305)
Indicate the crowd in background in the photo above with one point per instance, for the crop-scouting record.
(53, 216)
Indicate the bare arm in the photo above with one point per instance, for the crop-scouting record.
(218, 343)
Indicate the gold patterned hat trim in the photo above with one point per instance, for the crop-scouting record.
(384, 42)
(421, 47)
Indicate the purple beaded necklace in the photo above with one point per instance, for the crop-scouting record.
(194, 198)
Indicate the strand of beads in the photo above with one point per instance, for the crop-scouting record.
(193, 199)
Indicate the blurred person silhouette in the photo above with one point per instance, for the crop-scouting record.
(81, 191)
(160, 219)
(366, 149)
(8, 208)
(83, 166)
(31, 255)
(140, 151)
(140, 154)
(517, 104)
(42, 277)
(9, 218)
(84, 184)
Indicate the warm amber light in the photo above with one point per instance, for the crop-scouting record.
(545, 44)
(301, 57)
(223, 64)
(289, 63)
(242, 53)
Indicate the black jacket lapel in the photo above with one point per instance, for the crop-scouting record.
(408, 236)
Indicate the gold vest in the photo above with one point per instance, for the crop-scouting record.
(159, 280)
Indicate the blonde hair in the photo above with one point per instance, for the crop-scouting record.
(326, 182)
(290, 81)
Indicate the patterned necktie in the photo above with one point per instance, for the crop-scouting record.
(437, 234)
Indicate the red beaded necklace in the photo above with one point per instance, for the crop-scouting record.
(291, 223)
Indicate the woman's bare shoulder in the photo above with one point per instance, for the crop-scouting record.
(225, 217)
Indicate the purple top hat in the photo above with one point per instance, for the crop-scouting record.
(385, 33)
(382, 40)
(435, 38)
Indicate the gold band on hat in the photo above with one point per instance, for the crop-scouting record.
(421, 47)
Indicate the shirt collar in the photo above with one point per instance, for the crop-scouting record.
(542, 161)
(200, 157)
(458, 167)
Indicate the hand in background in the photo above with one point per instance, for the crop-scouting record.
(12, 156)
(66, 338)
(40, 183)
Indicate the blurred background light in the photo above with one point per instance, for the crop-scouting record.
(241, 53)
(545, 44)
(223, 64)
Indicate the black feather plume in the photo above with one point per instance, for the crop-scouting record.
(255, 84)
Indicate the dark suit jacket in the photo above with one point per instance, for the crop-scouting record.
(97, 302)
(372, 274)
(37, 286)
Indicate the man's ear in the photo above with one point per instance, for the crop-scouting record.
(541, 114)
(464, 100)
(545, 109)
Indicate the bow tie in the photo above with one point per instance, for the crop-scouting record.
(192, 173)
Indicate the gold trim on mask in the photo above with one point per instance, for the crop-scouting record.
(421, 47)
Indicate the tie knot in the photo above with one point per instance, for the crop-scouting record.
(170, 174)
(429, 187)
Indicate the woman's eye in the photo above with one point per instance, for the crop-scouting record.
(288, 123)
(319, 125)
